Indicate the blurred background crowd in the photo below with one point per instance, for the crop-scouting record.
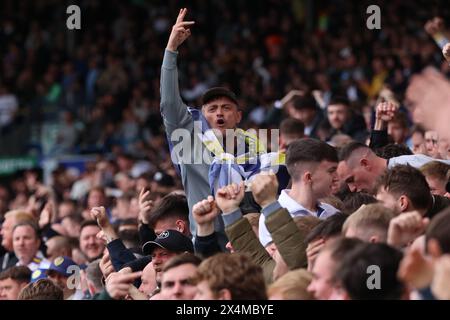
(83, 105)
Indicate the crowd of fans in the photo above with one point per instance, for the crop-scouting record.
(361, 198)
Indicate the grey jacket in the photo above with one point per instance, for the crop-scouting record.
(176, 115)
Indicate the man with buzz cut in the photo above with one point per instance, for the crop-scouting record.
(206, 131)
(360, 167)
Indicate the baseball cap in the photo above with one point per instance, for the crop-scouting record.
(61, 265)
(171, 240)
(164, 179)
(218, 92)
(38, 274)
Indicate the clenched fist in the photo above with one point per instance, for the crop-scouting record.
(434, 26)
(385, 111)
(406, 227)
(205, 211)
(264, 188)
(229, 198)
(446, 52)
(99, 214)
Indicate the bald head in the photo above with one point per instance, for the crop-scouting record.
(359, 167)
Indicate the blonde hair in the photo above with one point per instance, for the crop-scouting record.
(372, 216)
(20, 216)
(292, 286)
(235, 272)
(436, 169)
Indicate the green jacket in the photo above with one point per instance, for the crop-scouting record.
(244, 240)
(285, 234)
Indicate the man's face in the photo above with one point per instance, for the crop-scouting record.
(321, 285)
(6, 232)
(222, 113)
(418, 143)
(437, 186)
(358, 178)
(25, 243)
(89, 244)
(9, 289)
(177, 283)
(444, 148)
(204, 291)
(148, 280)
(58, 279)
(65, 209)
(337, 115)
(159, 257)
(388, 200)
(306, 115)
(72, 228)
(324, 178)
(431, 143)
(397, 132)
(54, 250)
(96, 199)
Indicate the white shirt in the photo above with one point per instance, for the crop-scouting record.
(295, 209)
(416, 160)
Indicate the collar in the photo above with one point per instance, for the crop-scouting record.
(295, 208)
(324, 210)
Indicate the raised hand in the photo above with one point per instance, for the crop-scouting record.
(229, 197)
(446, 52)
(441, 280)
(428, 95)
(99, 214)
(434, 26)
(406, 227)
(312, 251)
(384, 113)
(105, 265)
(180, 31)
(264, 188)
(290, 95)
(415, 269)
(46, 215)
(118, 284)
(205, 211)
(107, 233)
(145, 206)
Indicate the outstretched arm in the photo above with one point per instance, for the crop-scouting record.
(436, 29)
(173, 110)
(287, 237)
(239, 230)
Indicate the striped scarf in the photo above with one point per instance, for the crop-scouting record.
(227, 168)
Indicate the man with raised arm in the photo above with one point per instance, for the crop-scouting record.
(195, 135)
